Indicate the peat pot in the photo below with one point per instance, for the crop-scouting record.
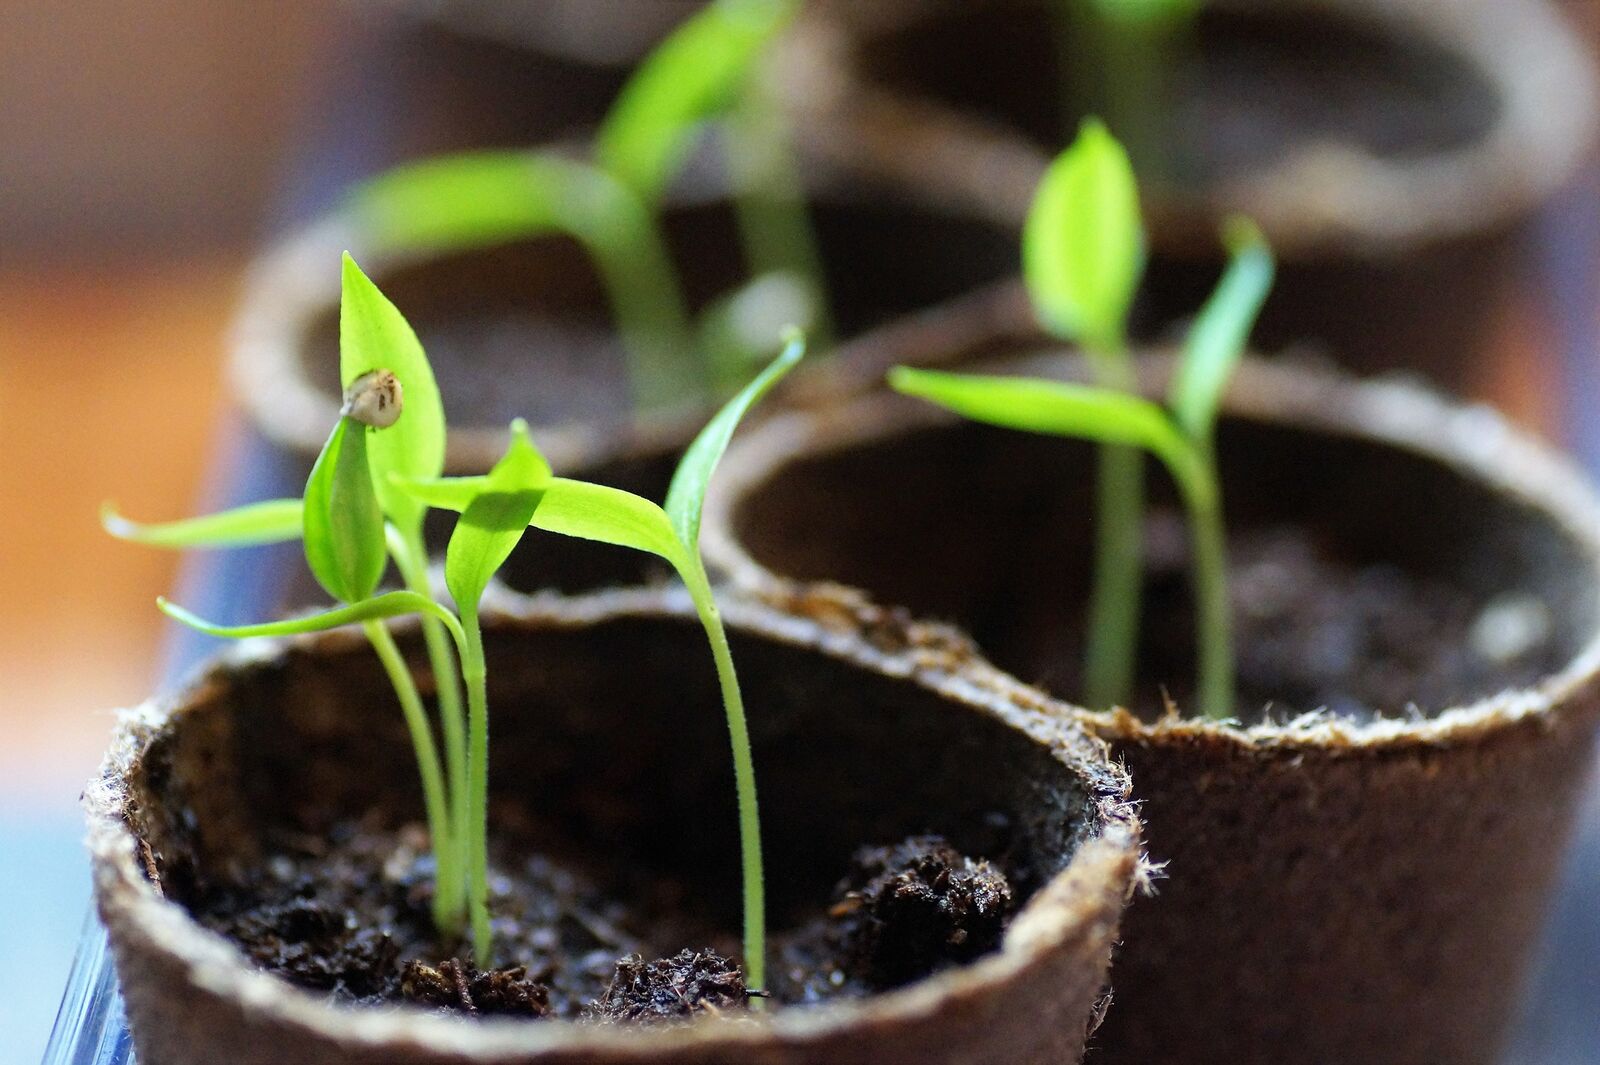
(1392, 150)
(610, 755)
(1358, 867)
(525, 330)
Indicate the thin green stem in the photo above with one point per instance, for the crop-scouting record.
(1111, 648)
(433, 790)
(1213, 620)
(744, 778)
(475, 671)
(410, 558)
(1121, 69)
(1114, 600)
(641, 280)
(770, 204)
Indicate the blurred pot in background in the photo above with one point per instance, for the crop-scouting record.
(1358, 866)
(527, 328)
(1392, 152)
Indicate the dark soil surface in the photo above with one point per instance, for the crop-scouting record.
(349, 916)
(1247, 92)
(1316, 632)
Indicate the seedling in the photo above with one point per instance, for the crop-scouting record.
(672, 533)
(367, 495)
(346, 530)
(1083, 257)
(700, 75)
(1180, 435)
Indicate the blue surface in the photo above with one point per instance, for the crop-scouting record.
(43, 897)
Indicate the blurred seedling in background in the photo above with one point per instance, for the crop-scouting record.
(364, 504)
(704, 75)
(1081, 272)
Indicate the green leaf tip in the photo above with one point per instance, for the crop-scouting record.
(692, 76)
(374, 335)
(388, 605)
(686, 495)
(1217, 338)
(495, 519)
(269, 522)
(1083, 242)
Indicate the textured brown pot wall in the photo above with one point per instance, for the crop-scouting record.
(854, 740)
(1336, 891)
(1396, 243)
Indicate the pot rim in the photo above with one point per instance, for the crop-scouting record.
(1324, 197)
(295, 282)
(1471, 441)
(1106, 864)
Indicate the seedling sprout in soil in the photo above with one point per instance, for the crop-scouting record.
(366, 497)
(703, 74)
(1084, 286)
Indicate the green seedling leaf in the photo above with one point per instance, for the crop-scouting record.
(270, 522)
(495, 519)
(344, 539)
(388, 605)
(1056, 408)
(1083, 243)
(443, 493)
(478, 198)
(692, 76)
(373, 335)
(1217, 338)
(574, 508)
(609, 516)
(687, 493)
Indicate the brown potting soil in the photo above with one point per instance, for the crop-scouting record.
(349, 916)
(1316, 632)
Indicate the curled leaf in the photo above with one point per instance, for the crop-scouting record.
(343, 530)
